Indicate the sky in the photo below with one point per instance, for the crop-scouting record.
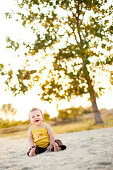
(23, 103)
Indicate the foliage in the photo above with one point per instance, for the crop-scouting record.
(46, 116)
(23, 77)
(13, 123)
(82, 32)
(8, 110)
(72, 114)
(69, 113)
(87, 110)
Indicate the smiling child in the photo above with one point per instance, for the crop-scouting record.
(40, 135)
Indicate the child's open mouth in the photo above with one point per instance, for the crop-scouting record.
(36, 120)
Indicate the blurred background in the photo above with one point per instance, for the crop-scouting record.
(57, 56)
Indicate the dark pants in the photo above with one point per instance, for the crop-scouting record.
(39, 150)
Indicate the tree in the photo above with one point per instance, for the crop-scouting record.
(77, 36)
(8, 110)
(46, 116)
(70, 114)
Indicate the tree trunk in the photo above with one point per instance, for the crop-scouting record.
(97, 115)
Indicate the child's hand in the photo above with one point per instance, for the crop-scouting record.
(49, 147)
(33, 146)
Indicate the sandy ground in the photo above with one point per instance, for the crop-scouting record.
(91, 149)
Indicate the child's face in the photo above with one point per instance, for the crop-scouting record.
(36, 117)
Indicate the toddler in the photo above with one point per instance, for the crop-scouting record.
(40, 135)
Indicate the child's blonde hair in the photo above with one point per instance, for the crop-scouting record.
(34, 109)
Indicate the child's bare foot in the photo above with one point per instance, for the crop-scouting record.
(56, 147)
(32, 152)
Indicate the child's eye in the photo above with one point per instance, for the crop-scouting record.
(32, 116)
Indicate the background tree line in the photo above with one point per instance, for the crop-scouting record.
(8, 111)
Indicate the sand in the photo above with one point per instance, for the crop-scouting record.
(91, 149)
